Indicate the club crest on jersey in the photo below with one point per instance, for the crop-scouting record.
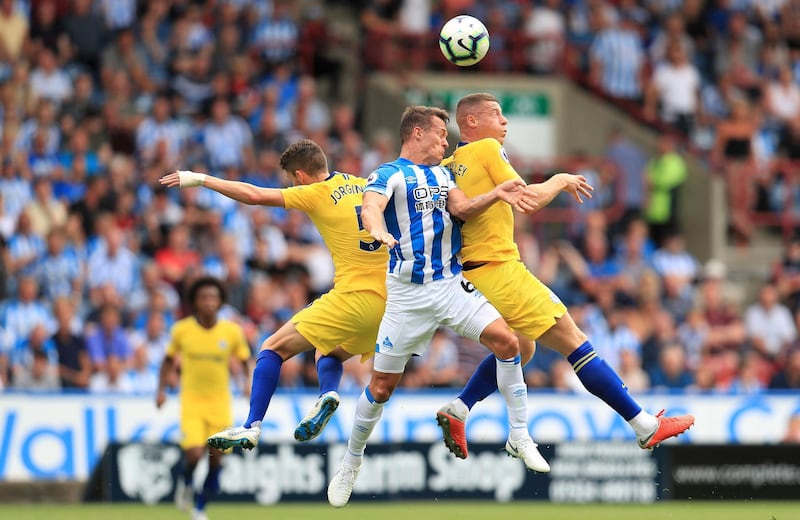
(222, 344)
(504, 155)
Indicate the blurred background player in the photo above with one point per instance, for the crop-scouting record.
(206, 345)
(492, 264)
(340, 324)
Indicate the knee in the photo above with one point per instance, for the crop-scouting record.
(380, 390)
(505, 346)
(527, 349)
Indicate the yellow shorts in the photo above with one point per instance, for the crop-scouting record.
(202, 417)
(527, 305)
(349, 320)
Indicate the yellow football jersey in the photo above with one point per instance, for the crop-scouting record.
(205, 356)
(478, 167)
(334, 206)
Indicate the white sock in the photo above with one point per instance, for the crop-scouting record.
(459, 407)
(367, 416)
(644, 424)
(255, 424)
(512, 385)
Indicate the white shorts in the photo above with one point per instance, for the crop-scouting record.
(415, 311)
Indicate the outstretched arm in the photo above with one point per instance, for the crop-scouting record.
(241, 191)
(512, 192)
(574, 184)
(372, 208)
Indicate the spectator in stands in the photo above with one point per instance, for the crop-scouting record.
(545, 24)
(45, 211)
(751, 375)
(226, 138)
(674, 91)
(782, 97)
(48, 80)
(792, 435)
(733, 151)
(770, 324)
(74, 367)
(671, 372)
(631, 371)
(139, 378)
(617, 59)
(43, 122)
(786, 274)
(25, 312)
(630, 162)
(25, 248)
(13, 31)
(160, 139)
(177, 259)
(789, 377)
(112, 263)
(673, 33)
(678, 270)
(109, 350)
(276, 37)
(87, 35)
(438, 367)
(666, 173)
(59, 272)
(34, 364)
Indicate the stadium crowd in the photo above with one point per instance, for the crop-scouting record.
(99, 99)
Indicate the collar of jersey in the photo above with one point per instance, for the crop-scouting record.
(461, 143)
(330, 175)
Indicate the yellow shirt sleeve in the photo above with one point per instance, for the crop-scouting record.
(497, 163)
(241, 348)
(174, 345)
(305, 198)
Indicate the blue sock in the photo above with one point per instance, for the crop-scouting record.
(601, 380)
(265, 382)
(329, 372)
(482, 384)
(210, 487)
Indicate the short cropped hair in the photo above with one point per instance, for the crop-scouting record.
(205, 281)
(419, 117)
(304, 155)
(469, 103)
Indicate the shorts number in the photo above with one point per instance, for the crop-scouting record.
(467, 286)
(365, 246)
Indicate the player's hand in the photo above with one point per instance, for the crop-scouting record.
(577, 185)
(516, 193)
(161, 398)
(183, 179)
(384, 237)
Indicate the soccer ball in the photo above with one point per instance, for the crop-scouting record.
(464, 40)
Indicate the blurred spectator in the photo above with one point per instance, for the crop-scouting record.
(48, 80)
(671, 373)
(45, 211)
(630, 162)
(74, 366)
(750, 379)
(59, 271)
(160, 139)
(782, 97)
(770, 326)
(617, 59)
(792, 435)
(13, 31)
(438, 367)
(24, 248)
(112, 263)
(789, 377)
(675, 89)
(139, 378)
(109, 351)
(226, 138)
(21, 314)
(34, 363)
(786, 274)
(665, 174)
(176, 260)
(276, 36)
(87, 34)
(672, 34)
(631, 372)
(545, 24)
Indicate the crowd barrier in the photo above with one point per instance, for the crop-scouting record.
(580, 473)
(62, 437)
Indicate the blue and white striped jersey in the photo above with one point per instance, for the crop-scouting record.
(428, 239)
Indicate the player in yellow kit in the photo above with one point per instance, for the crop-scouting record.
(344, 321)
(205, 345)
(492, 264)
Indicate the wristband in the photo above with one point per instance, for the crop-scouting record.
(190, 179)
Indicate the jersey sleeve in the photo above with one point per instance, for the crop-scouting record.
(383, 180)
(497, 163)
(305, 198)
(241, 349)
(174, 345)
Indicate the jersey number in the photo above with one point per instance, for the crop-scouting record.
(366, 246)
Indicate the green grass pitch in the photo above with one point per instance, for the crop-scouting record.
(444, 510)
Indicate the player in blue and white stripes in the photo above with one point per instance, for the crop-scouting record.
(407, 205)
